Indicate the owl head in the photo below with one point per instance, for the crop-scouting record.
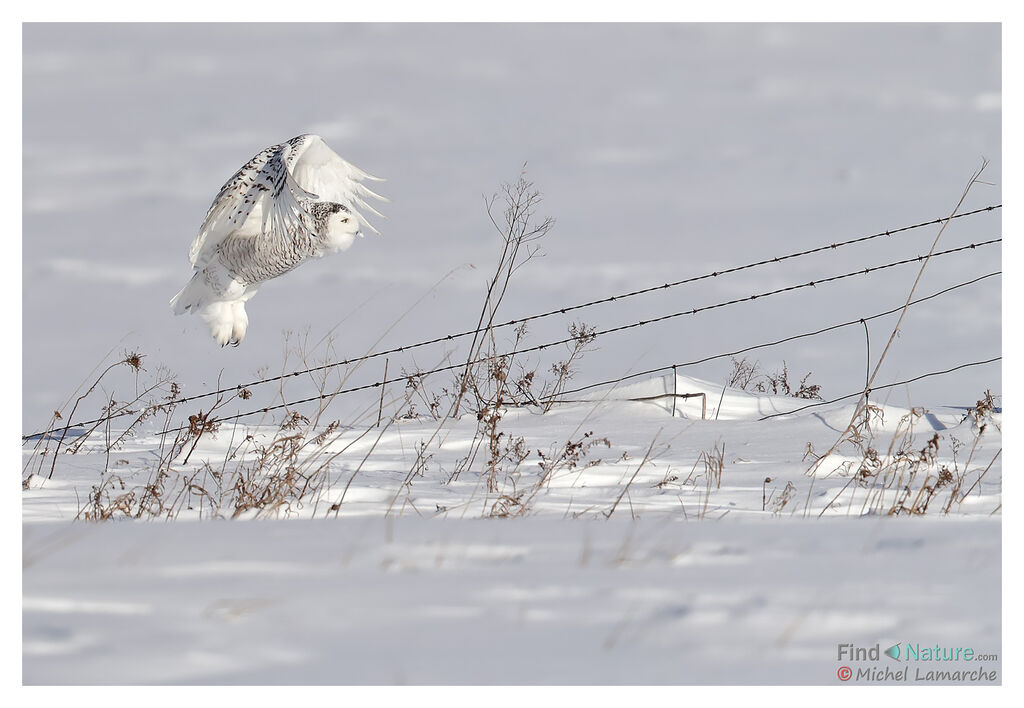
(340, 226)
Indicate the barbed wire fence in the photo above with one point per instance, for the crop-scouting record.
(385, 381)
(777, 342)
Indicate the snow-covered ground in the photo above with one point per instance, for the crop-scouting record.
(552, 601)
(639, 563)
(640, 540)
(377, 470)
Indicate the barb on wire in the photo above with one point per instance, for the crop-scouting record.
(642, 323)
(882, 388)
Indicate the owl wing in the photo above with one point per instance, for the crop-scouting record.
(319, 169)
(264, 189)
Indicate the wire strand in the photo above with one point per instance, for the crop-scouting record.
(882, 388)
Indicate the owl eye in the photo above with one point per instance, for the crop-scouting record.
(345, 220)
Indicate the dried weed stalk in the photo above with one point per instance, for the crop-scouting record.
(904, 476)
(749, 376)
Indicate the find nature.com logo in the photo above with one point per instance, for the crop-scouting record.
(905, 652)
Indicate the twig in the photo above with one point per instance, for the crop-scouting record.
(647, 456)
(380, 409)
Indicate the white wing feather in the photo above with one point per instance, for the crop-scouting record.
(319, 169)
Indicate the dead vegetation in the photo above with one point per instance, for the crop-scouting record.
(749, 376)
(907, 473)
(496, 379)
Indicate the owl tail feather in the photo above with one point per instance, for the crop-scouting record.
(191, 297)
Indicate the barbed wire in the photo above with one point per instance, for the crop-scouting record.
(595, 334)
(811, 284)
(550, 313)
(882, 388)
(823, 330)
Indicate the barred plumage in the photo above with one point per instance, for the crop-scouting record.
(291, 202)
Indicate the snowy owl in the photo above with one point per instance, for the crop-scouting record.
(290, 203)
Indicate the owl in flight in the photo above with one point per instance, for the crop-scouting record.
(291, 202)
